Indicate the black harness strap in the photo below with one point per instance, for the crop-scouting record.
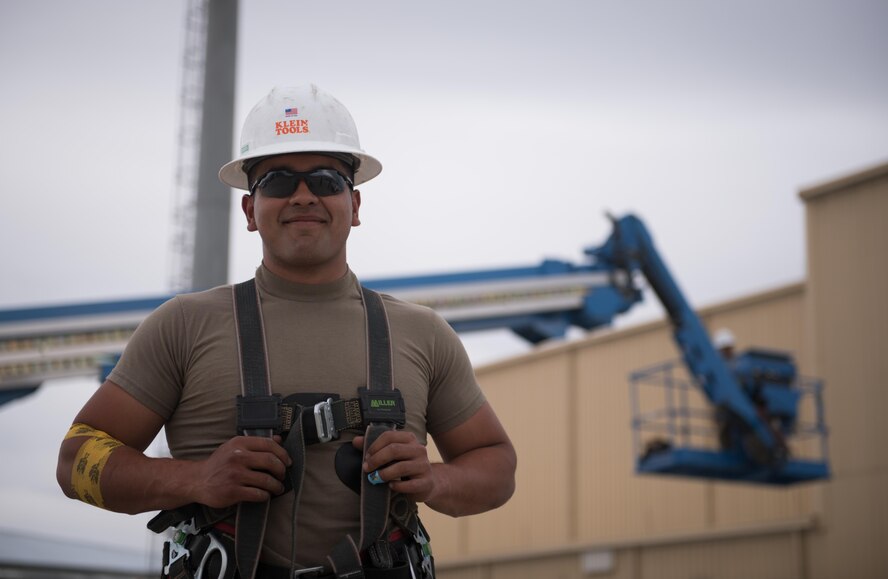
(251, 517)
(375, 498)
(346, 556)
(379, 344)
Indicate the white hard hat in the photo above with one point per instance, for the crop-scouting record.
(302, 119)
(723, 338)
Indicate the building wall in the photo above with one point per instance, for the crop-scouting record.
(847, 223)
(776, 551)
(567, 408)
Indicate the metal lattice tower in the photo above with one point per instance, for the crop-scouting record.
(201, 205)
(188, 146)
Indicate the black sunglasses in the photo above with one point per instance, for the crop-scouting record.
(281, 183)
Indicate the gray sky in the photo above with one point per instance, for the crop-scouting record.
(505, 132)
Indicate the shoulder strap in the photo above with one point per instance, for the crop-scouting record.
(251, 517)
(251, 341)
(375, 499)
(379, 344)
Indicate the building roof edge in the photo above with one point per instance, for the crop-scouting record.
(843, 182)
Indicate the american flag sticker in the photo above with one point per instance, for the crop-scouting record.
(291, 112)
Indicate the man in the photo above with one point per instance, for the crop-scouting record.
(723, 340)
(181, 370)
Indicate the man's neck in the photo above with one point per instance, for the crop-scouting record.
(307, 275)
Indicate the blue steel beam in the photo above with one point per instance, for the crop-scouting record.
(537, 303)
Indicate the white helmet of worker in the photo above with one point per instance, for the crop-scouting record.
(302, 119)
(723, 338)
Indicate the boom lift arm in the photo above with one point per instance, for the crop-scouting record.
(629, 249)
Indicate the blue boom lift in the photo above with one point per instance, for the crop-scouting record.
(750, 426)
(756, 397)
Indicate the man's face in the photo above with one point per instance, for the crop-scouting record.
(303, 235)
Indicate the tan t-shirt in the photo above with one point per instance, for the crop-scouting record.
(182, 362)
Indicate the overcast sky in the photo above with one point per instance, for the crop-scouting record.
(506, 131)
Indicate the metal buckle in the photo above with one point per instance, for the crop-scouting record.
(307, 570)
(383, 406)
(323, 412)
(258, 413)
(426, 549)
(177, 547)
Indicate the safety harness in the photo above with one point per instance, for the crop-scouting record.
(306, 419)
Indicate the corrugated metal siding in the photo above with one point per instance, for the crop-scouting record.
(612, 500)
(532, 402)
(854, 541)
(536, 402)
(549, 567)
(739, 504)
(568, 412)
(848, 263)
(464, 573)
(848, 276)
(767, 557)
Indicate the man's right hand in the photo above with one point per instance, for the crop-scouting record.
(246, 468)
(242, 469)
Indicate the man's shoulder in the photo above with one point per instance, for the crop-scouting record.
(398, 307)
(211, 300)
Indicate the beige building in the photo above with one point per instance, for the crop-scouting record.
(581, 511)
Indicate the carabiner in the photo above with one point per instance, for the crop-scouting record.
(215, 547)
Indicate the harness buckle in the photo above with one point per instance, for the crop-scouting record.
(323, 413)
(425, 549)
(259, 413)
(383, 406)
(176, 544)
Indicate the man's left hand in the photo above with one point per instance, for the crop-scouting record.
(402, 462)
(477, 473)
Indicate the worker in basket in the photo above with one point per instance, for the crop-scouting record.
(296, 405)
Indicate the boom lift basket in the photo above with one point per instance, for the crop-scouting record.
(676, 432)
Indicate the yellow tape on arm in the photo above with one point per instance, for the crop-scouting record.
(90, 461)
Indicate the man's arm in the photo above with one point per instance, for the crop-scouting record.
(242, 469)
(477, 475)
